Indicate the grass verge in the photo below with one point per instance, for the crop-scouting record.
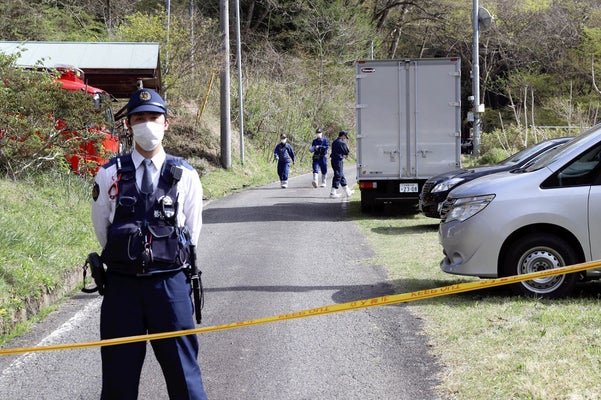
(492, 345)
(46, 234)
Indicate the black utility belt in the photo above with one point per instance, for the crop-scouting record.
(150, 274)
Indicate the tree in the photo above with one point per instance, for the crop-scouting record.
(38, 118)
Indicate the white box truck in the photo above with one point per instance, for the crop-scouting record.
(408, 120)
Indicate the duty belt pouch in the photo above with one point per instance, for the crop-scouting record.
(124, 247)
(164, 244)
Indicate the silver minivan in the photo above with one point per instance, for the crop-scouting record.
(544, 215)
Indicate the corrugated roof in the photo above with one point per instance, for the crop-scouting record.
(113, 66)
(106, 55)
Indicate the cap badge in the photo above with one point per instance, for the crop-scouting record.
(145, 96)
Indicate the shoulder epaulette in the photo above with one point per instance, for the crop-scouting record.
(110, 163)
(178, 161)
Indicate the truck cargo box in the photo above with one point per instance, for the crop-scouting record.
(408, 118)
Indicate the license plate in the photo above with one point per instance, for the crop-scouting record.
(408, 188)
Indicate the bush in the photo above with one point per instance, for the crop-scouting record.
(501, 143)
(296, 104)
(38, 120)
(494, 156)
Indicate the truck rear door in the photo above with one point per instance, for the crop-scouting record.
(433, 116)
(381, 114)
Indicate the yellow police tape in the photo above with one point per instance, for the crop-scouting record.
(327, 309)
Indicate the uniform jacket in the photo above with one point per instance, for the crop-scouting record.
(283, 153)
(319, 148)
(339, 150)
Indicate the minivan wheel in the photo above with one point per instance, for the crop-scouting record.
(537, 253)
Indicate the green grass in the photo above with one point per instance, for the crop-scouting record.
(46, 234)
(256, 171)
(492, 345)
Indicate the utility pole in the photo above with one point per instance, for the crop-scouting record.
(109, 18)
(168, 7)
(192, 12)
(226, 139)
(240, 84)
(481, 18)
(476, 79)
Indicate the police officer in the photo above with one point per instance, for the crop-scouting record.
(319, 148)
(284, 155)
(147, 211)
(340, 151)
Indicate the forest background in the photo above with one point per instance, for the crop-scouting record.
(538, 64)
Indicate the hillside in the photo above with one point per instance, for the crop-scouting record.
(297, 59)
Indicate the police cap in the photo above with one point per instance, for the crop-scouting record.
(146, 100)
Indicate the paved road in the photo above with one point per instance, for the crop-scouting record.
(264, 251)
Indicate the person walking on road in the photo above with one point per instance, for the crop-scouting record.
(340, 151)
(319, 148)
(284, 155)
(147, 216)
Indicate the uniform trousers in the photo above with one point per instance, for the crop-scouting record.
(283, 170)
(339, 178)
(150, 304)
(320, 164)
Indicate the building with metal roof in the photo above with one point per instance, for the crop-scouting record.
(115, 67)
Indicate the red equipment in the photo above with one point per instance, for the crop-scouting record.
(89, 158)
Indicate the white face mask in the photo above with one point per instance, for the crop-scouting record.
(148, 134)
(318, 136)
(283, 141)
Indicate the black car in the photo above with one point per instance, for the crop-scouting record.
(436, 189)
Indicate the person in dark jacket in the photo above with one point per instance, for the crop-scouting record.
(340, 151)
(319, 148)
(284, 155)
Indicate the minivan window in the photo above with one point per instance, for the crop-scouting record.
(544, 159)
(525, 153)
(550, 156)
(583, 170)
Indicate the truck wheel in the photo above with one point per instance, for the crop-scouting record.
(365, 206)
(538, 252)
(366, 203)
